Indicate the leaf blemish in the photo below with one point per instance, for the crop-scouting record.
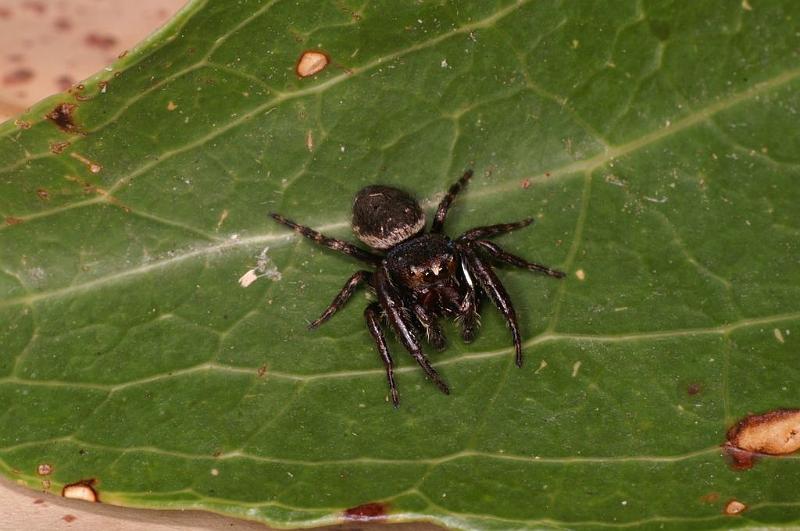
(367, 512)
(694, 388)
(44, 469)
(93, 166)
(773, 433)
(61, 115)
(58, 147)
(81, 490)
(734, 507)
(311, 62)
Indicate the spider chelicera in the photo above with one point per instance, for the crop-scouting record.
(420, 277)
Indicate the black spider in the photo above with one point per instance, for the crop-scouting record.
(421, 276)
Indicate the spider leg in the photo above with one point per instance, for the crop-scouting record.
(468, 316)
(342, 297)
(432, 329)
(489, 283)
(493, 230)
(503, 256)
(331, 243)
(371, 314)
(393, 307)
(444, 204)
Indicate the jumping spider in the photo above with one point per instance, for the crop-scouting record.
(421, 276)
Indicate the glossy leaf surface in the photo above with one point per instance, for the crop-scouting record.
(654, 142)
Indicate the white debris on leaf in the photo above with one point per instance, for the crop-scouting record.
(264, 268)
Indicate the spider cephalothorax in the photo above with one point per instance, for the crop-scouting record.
(421, 277)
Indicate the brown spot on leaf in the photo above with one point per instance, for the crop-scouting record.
(171, 105)
(58, 147)
(122, 54)
(11, 220)
(311, 62)
(61, 115)
(711, 497)
(69, 518)
(735, 507)
(526, 183)
(22, 124)
(18, 76)
(773, 433)
(262, 371)
(367, 512)
(81, 490)
(44, 195)
(104, 42)
(694, 389)
(44, 469)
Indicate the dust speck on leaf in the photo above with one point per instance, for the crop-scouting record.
(773, 433)
(81, 490)
(734, 507)
(215, 472)
(580, 274)
(746, 5)
(367, 512)
(778, 335)
(542, 366)
(171, 105)
(264, 268)
(311, 62)
(61, 115)
(575, 368)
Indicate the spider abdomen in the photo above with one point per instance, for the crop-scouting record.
(384, 216)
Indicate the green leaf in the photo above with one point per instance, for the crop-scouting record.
(655, 143)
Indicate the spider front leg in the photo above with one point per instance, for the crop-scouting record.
(372, 315)
(393, 306)
(493, 230)
(326, 241)
(342, 297)
(468, 316)
(492, 286)
(432, 329)
(498, 253)
(444, 204)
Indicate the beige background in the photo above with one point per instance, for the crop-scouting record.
(46, 46)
